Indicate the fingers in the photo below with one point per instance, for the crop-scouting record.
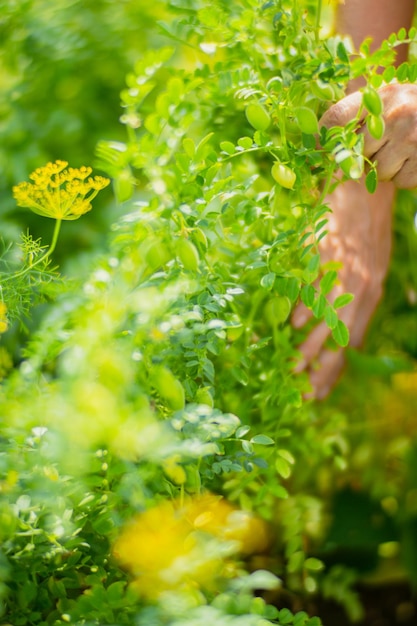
(329, 367)
(389, 162)
(406, 178)
(324, 366)
(301, 316)
(396, 152)
(312, 346)
(343, 111)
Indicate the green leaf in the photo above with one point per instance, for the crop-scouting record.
(402, 72)
(402, 34)
(153, 124)
(278, 491)
(260, 579)
(202, 146)
(247, 446)
(343, 300)
(115, 592)
(311, 271)
(307, 295)
(228, 146)
(412, 73)
(341, 334)
(341, 52)
(285, 454)
(292, 289)
(300, 618)
(268, 280)
(285, 616)
(314, 565)
(327, 282)
(189, 146)
(263, 440)
(371, 180)
(283, 467)
(245, 142)
(330, 317)
(376, 81)
(319, 306)
(314, 263)
(241, 431)
(388, 74)
(296, 561)
(240, 375)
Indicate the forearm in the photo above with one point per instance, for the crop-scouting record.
(375, 18)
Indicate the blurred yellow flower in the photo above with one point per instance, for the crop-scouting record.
(186, 546)
(215, 515)
(59, 193)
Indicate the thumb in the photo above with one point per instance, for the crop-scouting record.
(344, 111)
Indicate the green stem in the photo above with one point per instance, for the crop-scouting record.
(42, 258)
(283, 133)
(54, 239)
(326, 186)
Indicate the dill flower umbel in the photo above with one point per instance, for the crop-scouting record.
(59, 193)
(3, 318)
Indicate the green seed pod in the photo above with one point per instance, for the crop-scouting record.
(376, 126)
(322, 90)
(188, 254)
(200, 238)
(372, 101)
(124, 186)
(257, 116)
(306, 120)
(169, 388)
(156, 254)
(234, 331)
(283, 175)
(277, 310)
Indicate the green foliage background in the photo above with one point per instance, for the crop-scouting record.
(168, 344)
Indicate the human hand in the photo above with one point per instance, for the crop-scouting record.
(359, 237)
(396, 151)
(360, 226)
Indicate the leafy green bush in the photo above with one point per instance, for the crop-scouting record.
(163, 373)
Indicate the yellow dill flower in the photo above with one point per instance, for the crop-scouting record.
(3, 318)
(186, 545)
(59, 193)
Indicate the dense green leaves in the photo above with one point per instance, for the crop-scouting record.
(160, 370)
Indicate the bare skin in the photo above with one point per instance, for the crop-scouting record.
(360, 223)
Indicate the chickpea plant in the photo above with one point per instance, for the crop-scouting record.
(156, 449)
